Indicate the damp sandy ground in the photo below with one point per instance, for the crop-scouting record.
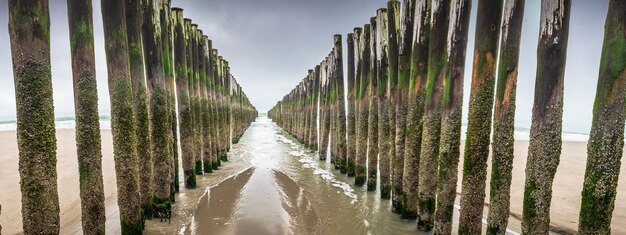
(273, 185)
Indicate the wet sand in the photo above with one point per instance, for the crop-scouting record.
(273, 185)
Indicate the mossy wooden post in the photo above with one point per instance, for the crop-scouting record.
(325, 106)
(197, 100)
(429, 154)
(382, 77)
(187, 127)
(503, 118)
(215, 110)
(206, 107)
(88, 143)
(168, 67)
(400, 39)
(161, 133)
(406, 197)
(122, 118)
(341, 105)
(202, 102)
(451, 109)
(312, 110)
(544, 148)
(134, 20)
(372, 99)
(363, 108)
(606, 141)
(479, 115)
(182, 91)
(318, 107)
(352, 42)
(29, 30)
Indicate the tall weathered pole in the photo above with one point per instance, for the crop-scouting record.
(341, 105)
(122, 118)
(479, 116)
(544, 147)
(451, 108)
(362, 107)
(134, 21)
(429, 154)
(156, 77)
(352, 41)
(503, 118)
(206, 112)
(382, 77)
(406, 196)
(187, 132)
(606, 141)
(88, 143)
(29, 30)
(197, 105)
(372, 99)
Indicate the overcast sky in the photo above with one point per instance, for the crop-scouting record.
(271, 44)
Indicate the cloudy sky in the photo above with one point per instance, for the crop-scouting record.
(271, 44)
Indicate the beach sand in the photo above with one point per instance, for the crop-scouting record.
(564, 212)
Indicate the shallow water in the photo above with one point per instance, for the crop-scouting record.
(288, 191)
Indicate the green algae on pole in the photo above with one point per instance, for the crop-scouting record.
(168, 67)
(503, 118)
(88, 141)
(406, 197)
(429, 154)
(382, 77)
(479, 115)
(134, 19)
(122, 118)
(544, 148)
(400, 39)
(363, 109)
(353, 59)
(451, 109)
(372, 99)
(29, 30)
(197, 104)
(161, 146)
(325, 110)
(341, 105)
(206, 113)
(606, 141)
(188, 158)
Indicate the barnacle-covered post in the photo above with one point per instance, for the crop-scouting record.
(168, 68)
(159, 115)
(29, 30)
(372, 99)
(325, 109)
(429, 154)
(341, 105)
(503, 118)
(88, 143)
(406, 195)
(134, 21)
(451, 109)
(187, 131)
(382, 77)
(352, 42)
(122, 118)
(362, 107)
(196, 36)
(206, 112)
(544, 147)
(479, 116)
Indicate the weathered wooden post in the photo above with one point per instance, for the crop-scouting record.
(351, 128)
(206, 112)
(189, 147)
(168, 68)
(122, 118)
(341, 105)
(544, 147)
(363, 108)
(479, 116)
(383, 77)
(451, 109)
(503, 118)
(88, 143)
(197, 106)
(429, 154)
(214, 110)
(29, 30)
(134, 20)
(406, 197)
(372, 99)
(606, 141)
(159, 115)
(325, 109)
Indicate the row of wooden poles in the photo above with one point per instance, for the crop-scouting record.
(156, 61)
(405, 82)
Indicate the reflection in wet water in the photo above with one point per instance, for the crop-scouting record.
(288, 191)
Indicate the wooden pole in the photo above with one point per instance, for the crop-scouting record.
(88, 142)
(372, 99)
(29, 30)
(544, 147)
(363, 107)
